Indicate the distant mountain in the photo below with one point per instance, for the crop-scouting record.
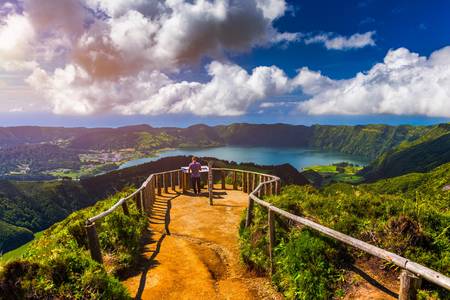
(420, 155)
(49, 149)
(367, 140)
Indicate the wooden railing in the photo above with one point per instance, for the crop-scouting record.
(144, 198)
(411, 274)
(258, 185)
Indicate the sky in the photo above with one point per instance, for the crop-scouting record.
(181, 62)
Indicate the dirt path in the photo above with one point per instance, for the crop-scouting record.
(197, 255)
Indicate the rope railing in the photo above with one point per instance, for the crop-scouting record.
(258, 185)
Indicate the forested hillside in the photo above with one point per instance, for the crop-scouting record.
(369, 140)
(27, 207)
(427, 152)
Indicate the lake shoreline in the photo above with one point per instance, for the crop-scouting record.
(297, 157)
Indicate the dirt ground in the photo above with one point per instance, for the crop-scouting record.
(192, 252)
(196, 256)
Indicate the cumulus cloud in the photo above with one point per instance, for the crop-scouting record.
(16, 37)
(230, 91)
(111, 50)
(103, 56)
(404, 84)
(337, 42)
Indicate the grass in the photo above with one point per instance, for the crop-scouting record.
(340, 172)
(407, 215)
(57, 264)
(335, 169)
(18, 252)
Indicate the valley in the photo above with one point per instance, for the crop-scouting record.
(33, 153)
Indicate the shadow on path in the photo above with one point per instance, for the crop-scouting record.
(155, 217)
(372, 281)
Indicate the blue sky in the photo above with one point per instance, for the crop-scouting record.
(300, 62)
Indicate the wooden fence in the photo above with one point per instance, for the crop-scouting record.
(258, 185)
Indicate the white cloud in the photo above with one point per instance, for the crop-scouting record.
(16, 37)
(355, 41)
(125, 58)
(231, 91)
(404, 84)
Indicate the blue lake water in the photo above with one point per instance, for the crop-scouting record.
(297, 157)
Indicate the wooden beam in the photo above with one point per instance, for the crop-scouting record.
(271, 223)
(409, 284)
(249, 217)
(222, 177)
(93, 243)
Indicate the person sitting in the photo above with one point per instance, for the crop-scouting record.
(195, 168)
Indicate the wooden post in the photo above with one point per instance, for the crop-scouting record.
(145, 199)
(271, 223)
(277, 187)
(152, 192)
(138, 201)
(269, 187)
(148, 198)
(181, 175)
(158, 184)
(172, 181)
(210, 182)
(244, 182)
(409, 284)
(254, 182)
(125, 208)
(93, 243)
(248, 183)
(234, 180)
(260, 190)
(265, 186)
(165, 183)
(187, 182)
(222, 175)
(249, 218)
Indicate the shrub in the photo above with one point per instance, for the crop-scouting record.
(58, 264)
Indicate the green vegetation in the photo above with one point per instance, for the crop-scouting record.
(18, 252)
(432, 151)
(407, 215)
(27, 207)
(369, 140)
(81, 150)
(58, 265)
(13, 236)
(339, 172)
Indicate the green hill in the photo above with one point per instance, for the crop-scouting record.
(57, 265)
(369, 140)
(421, 155)
(12, 236)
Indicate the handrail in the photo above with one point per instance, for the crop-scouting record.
(122, 200)
(408, 279)
(404, 263)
